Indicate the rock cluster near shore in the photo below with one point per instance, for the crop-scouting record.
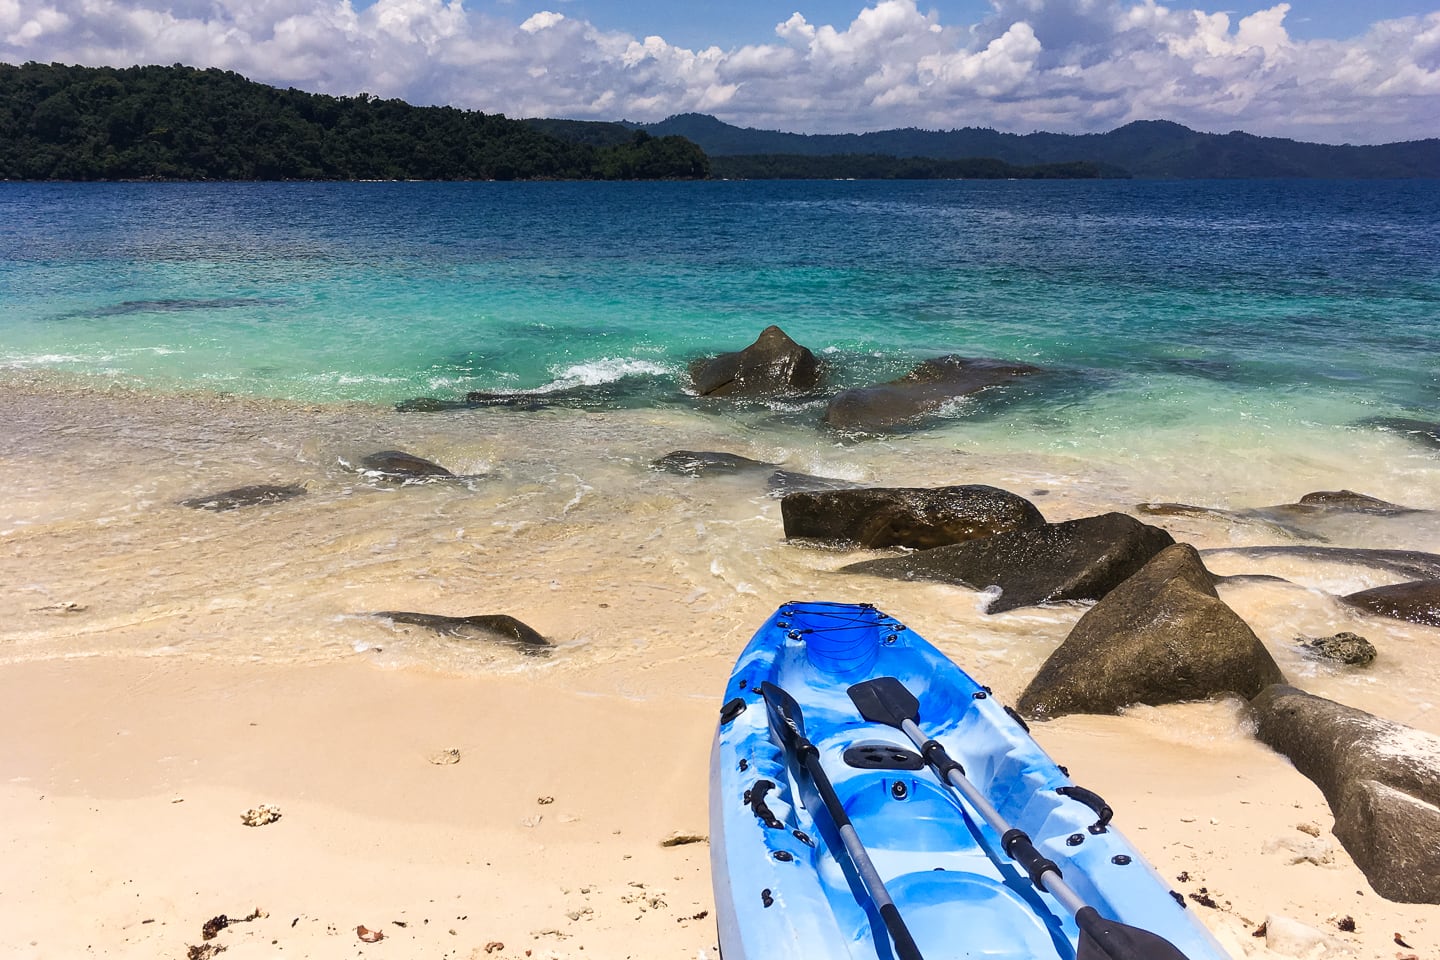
(775, 367)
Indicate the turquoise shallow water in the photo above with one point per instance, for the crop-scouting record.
(1218, 344)
(1301, 302)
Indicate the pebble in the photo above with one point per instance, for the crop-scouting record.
(1292, 938)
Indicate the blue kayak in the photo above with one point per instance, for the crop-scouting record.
(869, 799)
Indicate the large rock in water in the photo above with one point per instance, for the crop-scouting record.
(1076, 560)
(1417, 601)
(917, 517)
(772, 365)
(923, 390)
(1381, 779)
(1162, 636)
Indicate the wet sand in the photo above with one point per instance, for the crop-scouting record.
(166, 669)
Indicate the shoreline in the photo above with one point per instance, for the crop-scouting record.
(188, 626)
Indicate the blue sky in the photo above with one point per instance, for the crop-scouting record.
(1326, 70)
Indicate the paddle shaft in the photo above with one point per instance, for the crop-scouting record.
(886, 700)
(905, 947)
(787, 721)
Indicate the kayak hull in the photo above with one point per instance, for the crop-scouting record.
(784, 885)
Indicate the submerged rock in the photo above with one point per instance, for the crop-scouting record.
(430, 405)
(624, 391)
(700, 463)
(490, 626)
(1348, 501)
(1381, 779)
(1406, 563)
(244, 497)
(1421, 431)
(771, 366)
(1162, 636)
(1076, 560)
(923, 390)
(1343, 647)
(1417, 601)
(916, 517)
(1295, 518)
(397, 465)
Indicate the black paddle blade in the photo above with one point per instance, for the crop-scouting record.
(786, 720)
(885, 700)
(1102, 939)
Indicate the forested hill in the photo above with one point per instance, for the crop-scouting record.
(1149, 148)
(62, 122)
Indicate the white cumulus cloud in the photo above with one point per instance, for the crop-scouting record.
(1065, 65)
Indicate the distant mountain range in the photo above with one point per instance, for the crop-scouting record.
(1156, 149)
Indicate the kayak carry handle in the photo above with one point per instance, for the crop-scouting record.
(1092, 800)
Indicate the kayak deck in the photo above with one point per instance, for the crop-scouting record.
(784, 884)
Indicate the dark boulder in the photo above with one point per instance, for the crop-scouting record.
(399, 466)
(490, 626)
(916, 517)
(1345, 647)
(1162, 636)
(773, 365)
(244, 497)
(1381, 779)
(922, 391)
(1417, 601)
(701, 463)
(1076, 560)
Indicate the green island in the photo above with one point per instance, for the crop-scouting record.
(61, 122)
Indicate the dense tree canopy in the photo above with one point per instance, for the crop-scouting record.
(61, 122)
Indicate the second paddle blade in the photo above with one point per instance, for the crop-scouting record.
(885, 700)
(1102, 939)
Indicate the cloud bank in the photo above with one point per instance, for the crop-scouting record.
(1071, 66)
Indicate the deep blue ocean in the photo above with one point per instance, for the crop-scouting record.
(1300, 301)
